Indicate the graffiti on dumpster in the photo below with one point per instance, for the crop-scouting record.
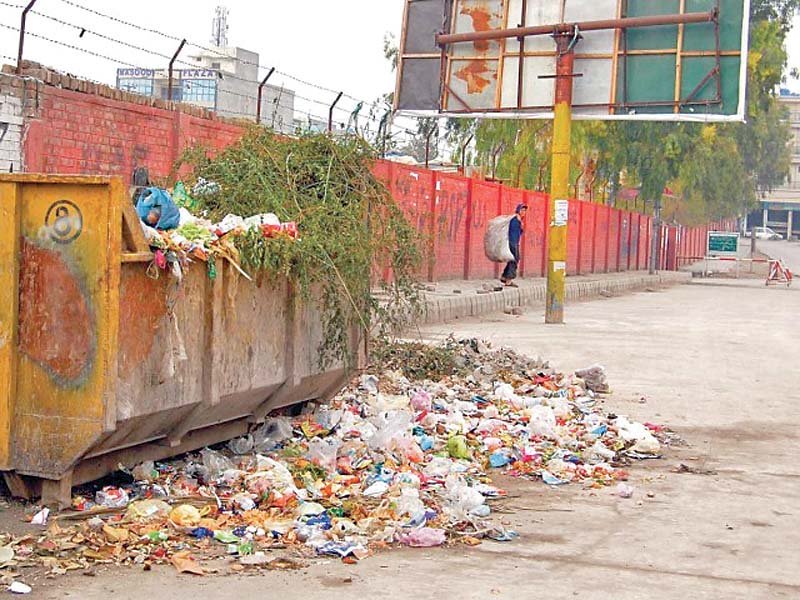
(56, 321)
(63, 222)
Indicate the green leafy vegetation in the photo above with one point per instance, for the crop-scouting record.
(349, 228)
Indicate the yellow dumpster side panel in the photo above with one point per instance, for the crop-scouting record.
(101, 364)
(68, 322)
(9, 266)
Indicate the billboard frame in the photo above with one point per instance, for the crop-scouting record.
(619, 58)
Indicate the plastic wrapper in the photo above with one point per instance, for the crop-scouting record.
(495, 242)
(112, 497)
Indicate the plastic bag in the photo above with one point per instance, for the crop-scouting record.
(242, 445)
(143, 510)
(462, 498)
(145, 471)
(438, 467)
(457, 447)
(274, 432)
(156, 199)
(215, 462)
(392, 427)
(409, 502)
(495, 242)
(323, 453)
(425, 537)
(421, 400)
(185, 515)
(542, 422)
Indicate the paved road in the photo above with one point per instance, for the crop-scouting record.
(788, 251)
(711, 362)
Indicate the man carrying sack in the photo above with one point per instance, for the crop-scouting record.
(502, 240)
(516, 228)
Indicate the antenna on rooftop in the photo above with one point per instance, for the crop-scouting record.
(219, 29)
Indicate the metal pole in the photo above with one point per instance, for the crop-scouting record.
(464, 153)
(260, 94)
(24, 18)
(171, 65)
(330, 112)
(655, 241)
(559, 192)
(428, 148)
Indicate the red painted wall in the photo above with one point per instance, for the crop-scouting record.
(74, 132)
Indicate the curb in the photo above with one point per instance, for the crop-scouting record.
(439, 310)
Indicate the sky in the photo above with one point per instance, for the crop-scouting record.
(335, 45)
(793, 47)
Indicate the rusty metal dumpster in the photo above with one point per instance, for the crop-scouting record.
(102, 364)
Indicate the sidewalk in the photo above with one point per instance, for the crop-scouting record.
(449, 300)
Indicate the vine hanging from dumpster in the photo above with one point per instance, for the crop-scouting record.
(348, 224)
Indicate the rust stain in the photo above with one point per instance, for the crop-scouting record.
(143, 306)
(475, 76)
(481, 16)
(56, 328)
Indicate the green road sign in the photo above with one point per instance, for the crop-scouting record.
(722, 244)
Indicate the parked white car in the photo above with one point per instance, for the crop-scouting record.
(765, 233)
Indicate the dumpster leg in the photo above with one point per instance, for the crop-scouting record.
(58, 493)
(21, 487)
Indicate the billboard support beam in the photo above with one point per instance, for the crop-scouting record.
(559, 190)
(172, 68)
(568, 28)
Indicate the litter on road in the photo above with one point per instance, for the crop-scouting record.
(403, 456)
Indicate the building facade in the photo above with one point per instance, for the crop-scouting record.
(225, 81)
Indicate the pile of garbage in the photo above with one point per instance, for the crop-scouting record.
(391, 460)
(178, 237)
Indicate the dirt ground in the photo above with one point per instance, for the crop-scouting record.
(717, 362)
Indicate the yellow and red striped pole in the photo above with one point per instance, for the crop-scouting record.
(559, 190)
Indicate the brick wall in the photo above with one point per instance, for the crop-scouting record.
(78, 127)
(11, 124)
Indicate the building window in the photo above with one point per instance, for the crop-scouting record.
(199, 90)
(136, 85)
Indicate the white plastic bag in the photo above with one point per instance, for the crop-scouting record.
(495, 242)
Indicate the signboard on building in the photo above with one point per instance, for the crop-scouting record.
(497, 58)
(722, 243)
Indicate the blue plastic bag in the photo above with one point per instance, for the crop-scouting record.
(156, 198)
